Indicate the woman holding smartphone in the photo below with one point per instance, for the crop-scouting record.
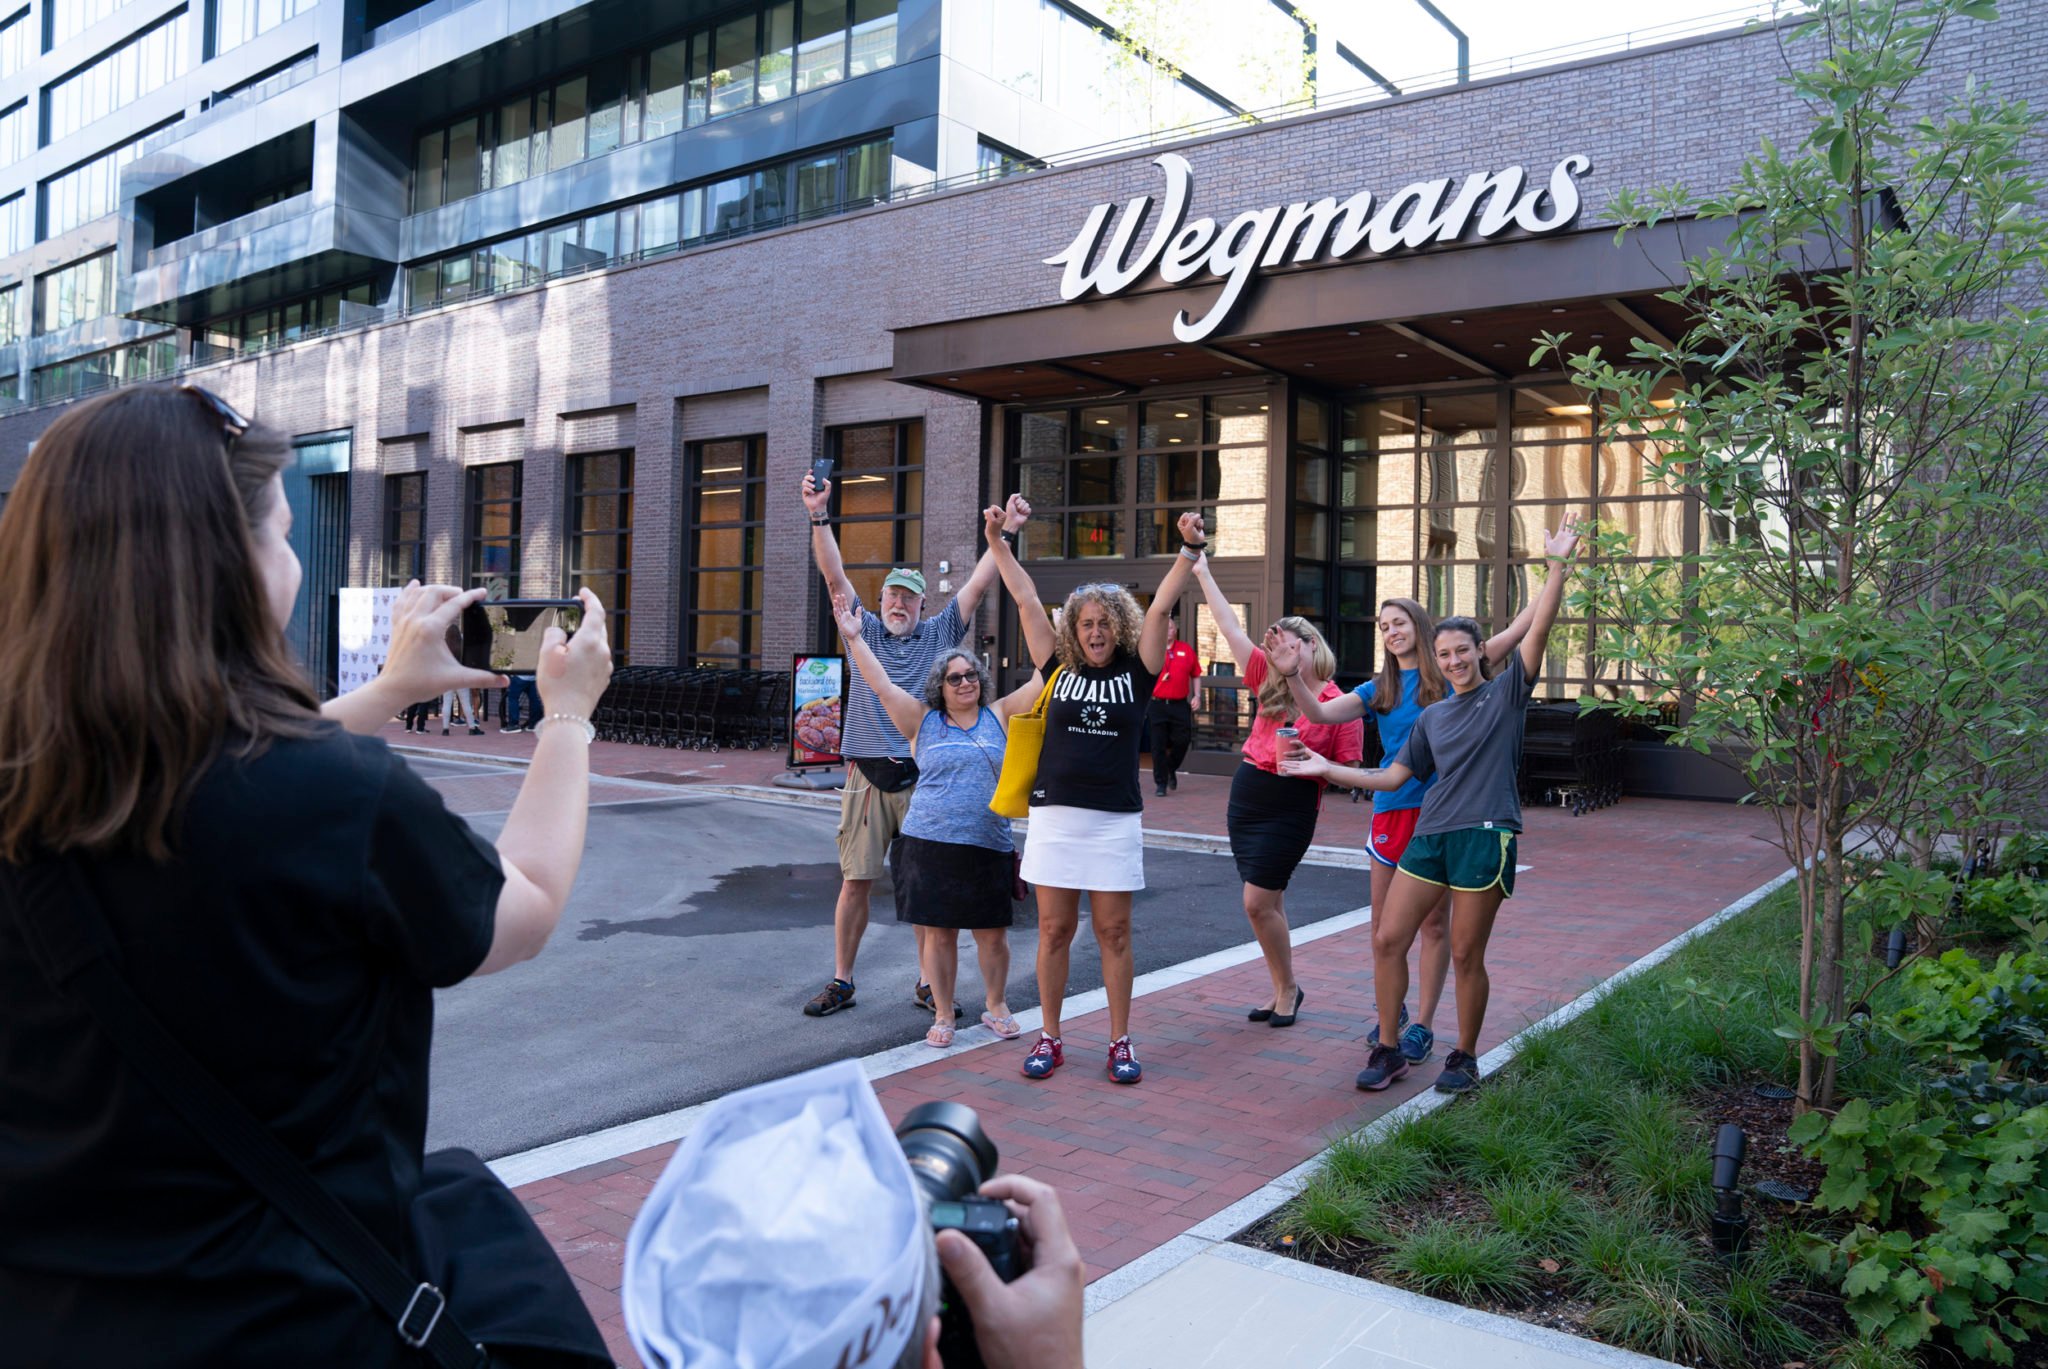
(1087, 833)
(1272, 817)
(952, 863)
(1465, 836)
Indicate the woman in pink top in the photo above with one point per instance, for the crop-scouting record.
(1272, 817)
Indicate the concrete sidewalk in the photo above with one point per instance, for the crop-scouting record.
(1228, 1106)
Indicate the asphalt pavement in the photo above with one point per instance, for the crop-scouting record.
(699, 927)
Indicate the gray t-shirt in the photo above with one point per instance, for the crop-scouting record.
(1472, 744)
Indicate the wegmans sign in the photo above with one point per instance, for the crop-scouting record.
(1419, 215)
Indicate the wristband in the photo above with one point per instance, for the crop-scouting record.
(819, 520)
(1009, 536)
(1193, 550)
(588, 729)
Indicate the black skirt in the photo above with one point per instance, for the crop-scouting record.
(1272, 820)
(951, 884)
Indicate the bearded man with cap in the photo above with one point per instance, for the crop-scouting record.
(787, 1233)
(879, 770)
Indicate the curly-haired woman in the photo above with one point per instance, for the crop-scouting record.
(1087, 832)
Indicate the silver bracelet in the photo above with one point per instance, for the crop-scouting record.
(1193, 552)
(588, 728)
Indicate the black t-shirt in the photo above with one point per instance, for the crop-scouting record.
(1094, 730)
(321, 893)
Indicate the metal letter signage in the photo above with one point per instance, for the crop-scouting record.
(1417, 215)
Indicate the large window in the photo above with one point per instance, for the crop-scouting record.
(15, 45)
(13, 323)
(745, 60)
(878, 493)
(66, 19)
(235, 22)
(17, 223)
(146, 62)
(89, 374)
(277, 324)
(601, 538)
(405, 524)
(88, 191)
(728, 556)
(1108, 480)
(818, 184)
(494, 498)
(76, 293)
(17, 133)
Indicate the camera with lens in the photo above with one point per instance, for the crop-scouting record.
(951, 1157)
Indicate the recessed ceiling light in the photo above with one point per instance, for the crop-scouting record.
(1094, 363)
(1173, 439)
(1262, 408)
(1499, 346)
(1597, 336)
(1018, 372)
(1169, 354)
(1080, 389)
(1310, 364)
(1180, 413)
(1557, 309)
(1153, 381)
(1102, 422)
(1351, 332)
(1457, 320)
(1255, 344)
(1402, 355)
(953, 379)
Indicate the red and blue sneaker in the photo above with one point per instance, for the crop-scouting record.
(1045, 1057)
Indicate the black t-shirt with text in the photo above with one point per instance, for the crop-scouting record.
(322, 891)
(1094, 730)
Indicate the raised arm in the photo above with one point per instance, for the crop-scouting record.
(985, 572)
(1346, 707)
(824, 546)
(1152, 640)
(1558, 549)
(1308, 765)
(1021, 699)
(903, 710)
(1497, 647)
(1039, 639)
(1234, 636)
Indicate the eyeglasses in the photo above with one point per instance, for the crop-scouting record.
(960, 677)
(232, 421)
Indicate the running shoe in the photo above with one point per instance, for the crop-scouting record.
(834, 996)
(922, 996)
(1382, 1068)
(1417, 1041)
(1045, 1057)
(1372, 1038)
(1123, 1062)
(1461, 1074)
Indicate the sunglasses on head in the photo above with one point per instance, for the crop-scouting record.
(233, 423)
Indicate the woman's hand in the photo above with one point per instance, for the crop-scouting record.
(817, 498)
(1562, 544)
(846, 616)
(420, 664)
(1191, 530)
(1283, 652)
(574, 671)
(1016, 513)
(1304, 763)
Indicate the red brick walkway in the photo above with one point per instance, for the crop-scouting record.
(1227, 1105)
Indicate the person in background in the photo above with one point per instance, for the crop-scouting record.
(1087, 811)
(953, 863)
(1407, 683)
(1272, 817)
(1170, 718)
(879, 770)
(1466, 837)
(521, 689)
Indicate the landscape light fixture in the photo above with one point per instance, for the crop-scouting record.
(1895, 947)
(1730, 1226)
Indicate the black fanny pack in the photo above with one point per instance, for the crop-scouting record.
(887, 774)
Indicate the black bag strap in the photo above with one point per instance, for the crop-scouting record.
(69, 939)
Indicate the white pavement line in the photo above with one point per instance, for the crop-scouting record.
(575, 1152)
(1217, 1230)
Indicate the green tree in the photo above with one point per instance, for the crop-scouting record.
(1858, 404)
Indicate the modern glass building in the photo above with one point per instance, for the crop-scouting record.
(572, 295)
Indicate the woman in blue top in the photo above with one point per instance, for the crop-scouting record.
(952, 864)
(1407, 683)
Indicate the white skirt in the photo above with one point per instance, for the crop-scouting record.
(1079, 848)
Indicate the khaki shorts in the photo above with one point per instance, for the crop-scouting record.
(868, 822)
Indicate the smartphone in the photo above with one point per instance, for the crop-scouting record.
(821, 472)
(505, 635)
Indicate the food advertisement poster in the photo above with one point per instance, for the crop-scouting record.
(817, 696)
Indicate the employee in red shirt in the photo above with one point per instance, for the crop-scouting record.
(1170, 717)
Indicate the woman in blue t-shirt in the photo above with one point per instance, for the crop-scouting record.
(953, 862)
(1407, 683)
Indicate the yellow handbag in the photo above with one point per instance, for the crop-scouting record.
(1020, 758)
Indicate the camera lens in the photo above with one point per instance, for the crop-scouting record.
(947, 1149)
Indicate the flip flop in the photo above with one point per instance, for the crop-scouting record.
(939, 1037)
(1006, 1026)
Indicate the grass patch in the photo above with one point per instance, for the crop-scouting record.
(1614, 1245)
(1462, 1261)
(1668, 1317)
(1391, 1171)
(1546, 1214)
(1658, 1159)
(1327, 1213)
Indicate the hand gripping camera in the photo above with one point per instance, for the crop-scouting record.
(950, 1156)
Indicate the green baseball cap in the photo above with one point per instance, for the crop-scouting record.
(912, 580)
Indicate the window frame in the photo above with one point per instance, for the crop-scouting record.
(618, 603)
(475, 503)
(413, 550)
(752, 483)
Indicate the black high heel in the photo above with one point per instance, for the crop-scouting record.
(1287, 1019)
